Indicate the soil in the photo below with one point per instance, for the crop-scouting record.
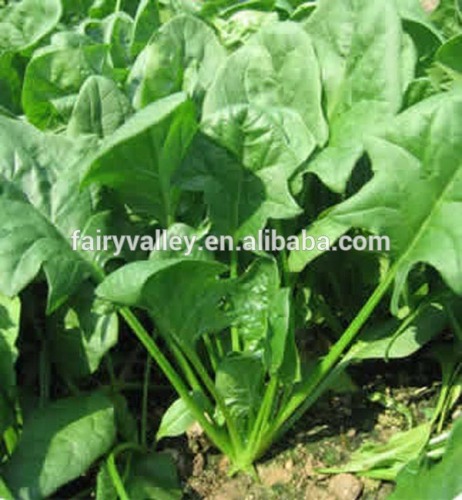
(339, 424)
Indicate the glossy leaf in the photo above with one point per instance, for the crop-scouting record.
(169, 290)
(265, 148)
(41, 205)
(416, 178)
(239, 380)
(22, 24)
(53, 80)
(366, 66)
(184, 55)
(151, 144)
(276, 69)
(252, 300)
(101, 108)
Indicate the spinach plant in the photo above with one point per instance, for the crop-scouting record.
(226, 119)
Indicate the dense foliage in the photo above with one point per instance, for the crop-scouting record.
(223, 118)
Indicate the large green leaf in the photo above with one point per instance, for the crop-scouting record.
(82, 332)
(251, 301)
(277, 68)
(53, 80)
(100, 109)
(414, 196)
(395, 339)
(41, 205)
(22, 24)
(183, 295)
(385, 460)
(184, 55)
(366, 64)
(240, 381)
(151, 146)
(263, 150)
(422, 480)
(147, 20)
(58, 444)
(9, 331)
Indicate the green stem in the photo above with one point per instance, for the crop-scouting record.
(211, 351)
(144, 404)
(209, 384)
(217, 438)
(113, 471)
(116, 479)
(300, 401)
(263, 417)
(188, 372)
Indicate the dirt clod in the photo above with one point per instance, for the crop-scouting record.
(345, 487)
(198, 465)
(274, 474)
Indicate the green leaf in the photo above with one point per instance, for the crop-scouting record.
(186, 233)
(240, 381)
(251, 302)
(265, 147)
(184, 55)
(105, 489)
(5, 493)
(10, 310)
(183, 295)
(147, 21)
(417, 23)
(366, 66)
(385, 461)
(276, 69)
(58, 444)
(447, 16)
(421, 479)
(118, 34)
(178, 418)
(151, 144)
(349, 133)
(23, 24)
(54, 78)
(101, 108)
(417, 177)
(449, 54)
(154, 476)
(41, 205)
(238, 28)
(396, 339)
(359, 44)
(10, 82)
(147, 476)
(82, 333)
(281, 351)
